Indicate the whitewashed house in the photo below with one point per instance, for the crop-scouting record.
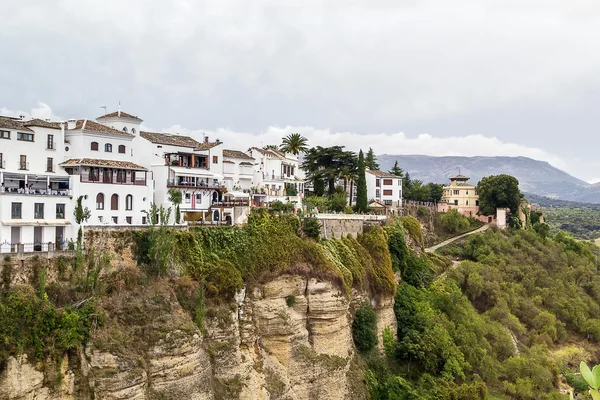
(35, 195)
(385, 189)
(238, 170)
(104, 168)
(273, 170)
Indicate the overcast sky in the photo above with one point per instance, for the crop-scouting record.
(439, 77)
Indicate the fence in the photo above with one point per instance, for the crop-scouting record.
(37, 247)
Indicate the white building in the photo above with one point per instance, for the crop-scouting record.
(384, 188)
(238, 170)
(273, 170)
(105, 170)
(35, 196)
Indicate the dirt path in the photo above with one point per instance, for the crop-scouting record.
(446, 242)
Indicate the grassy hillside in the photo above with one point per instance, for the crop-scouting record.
(513, 319)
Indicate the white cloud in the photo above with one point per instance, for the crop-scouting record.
(42, 111)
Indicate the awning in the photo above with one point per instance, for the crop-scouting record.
(238, 195)
(204, 173)
(36, 222)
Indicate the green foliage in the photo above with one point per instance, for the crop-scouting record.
(453, 221)
(320, 202)
(371, 160)
(200, 311)
(324, 166)
(281, 207)
(396, 170)
(338, 202)
(176, 197)
(364, 328)
(413, 269)
(290, 300)
(413, 227)
(7, 272)
(160, 249)
(381, 273)
(32, 324)
(499, 191)
(361, 185)
(311, 228)
(294, 143)
(415, 190)
(291, 190)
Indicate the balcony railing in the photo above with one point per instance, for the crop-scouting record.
(231, 203)
(198, 185)
(36, 191)
(112, 180)
(281, 177)
(24, 166)
(36, 247)
(50, 145)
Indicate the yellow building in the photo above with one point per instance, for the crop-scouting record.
(460, 195)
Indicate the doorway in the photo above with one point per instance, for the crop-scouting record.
(37, 238)
(59, 237)
(15, 238)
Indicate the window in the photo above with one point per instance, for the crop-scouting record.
(143, 220)
(115, 220)
(100, 201)
(50, 143)
(133, 130)
(455, 202)
(377, 183)
(49, 164)
(124, 129)
(467, 193)
(198, 198)
(128, 219)
(215, 159)
(114, 202)
(28, 137)
(94, 146)
(23, 162)
(377, 193)
(187, 197)
(467, 203)
(100, 219)
(1, 160)
(121, 175)
(60, 211)
(399, 182)
(387, 192)
(387, 182)
(38, 210)
(122, 148)
(132, 176)
(94, 175)
(4, 134)
(387, 202)
(129, 202)
(108, 148)
(456, 192)
(477, 203)
(15, 210)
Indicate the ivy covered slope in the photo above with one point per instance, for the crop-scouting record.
(511, 321)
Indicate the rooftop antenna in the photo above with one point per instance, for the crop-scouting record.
(104, 109)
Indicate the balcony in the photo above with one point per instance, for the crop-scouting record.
(174, 183)
(111, 179)
(35, 191)
(51, 145)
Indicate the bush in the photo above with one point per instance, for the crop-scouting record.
(320, 202)
(453, 222)
(290, 301)
(338, 202)
(281, 207)
(312, 228)
(364, 328)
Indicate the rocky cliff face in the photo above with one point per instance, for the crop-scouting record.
(290, 338)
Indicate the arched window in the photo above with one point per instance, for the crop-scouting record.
(108, 148)
(114, 202)
(133, 130)
(129, 202)
(94, 146)
(122, 148)
(100, 201)
(124, 129)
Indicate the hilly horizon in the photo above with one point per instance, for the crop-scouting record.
(536, 177)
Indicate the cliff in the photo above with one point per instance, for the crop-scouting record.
(289, 338)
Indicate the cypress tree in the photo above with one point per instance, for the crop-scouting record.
(361, 185)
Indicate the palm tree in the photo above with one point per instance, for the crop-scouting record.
(175, 197)
(323, 165)
(270, 147)
(294, 143)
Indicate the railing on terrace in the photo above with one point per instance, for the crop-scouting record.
(420, 203)
(36, 247)
(232, 203)
(36, 192)
(280, 177)
(198, 185)
(113, 180)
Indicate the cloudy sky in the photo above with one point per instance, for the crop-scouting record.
(437, 77)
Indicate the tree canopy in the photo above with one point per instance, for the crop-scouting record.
(498, 191)
(294, 143)
(396, 170)
(325, 165)
(371, 160)
(361, 185)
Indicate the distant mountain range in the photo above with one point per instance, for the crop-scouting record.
(535, 177)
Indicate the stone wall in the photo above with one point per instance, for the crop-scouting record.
(339, 225)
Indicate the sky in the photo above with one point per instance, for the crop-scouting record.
(435, 77)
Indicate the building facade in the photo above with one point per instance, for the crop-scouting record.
(277, 177)
(460, 195)
(385, 189)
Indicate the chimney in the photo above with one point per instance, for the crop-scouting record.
(205, 139)
(71, 123)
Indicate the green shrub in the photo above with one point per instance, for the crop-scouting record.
(290, 301)
(413, 227)
(453, 221)
(338, 202)
(364, 328)
(322, 203)
(312, 228)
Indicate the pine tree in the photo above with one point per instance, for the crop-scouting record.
(396, 170)
(371, 160)
(361, 185)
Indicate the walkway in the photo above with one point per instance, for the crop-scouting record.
(447, 242)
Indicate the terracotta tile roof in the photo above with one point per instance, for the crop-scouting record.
(89, 125)
(236, 154)
(44, 124)
(207, 145)
(169, 139)
(228, 162)
(382, 174)
(95, 162)
(120, 114)
(9, 123)
(274, 152)
(460, 177)
(246, 163)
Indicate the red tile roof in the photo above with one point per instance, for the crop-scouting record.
(89, 125)
(382, 174)
(95, 162)
(44, 124)
(120, 114)
(14, 124)
(169, 139)
(236, 154)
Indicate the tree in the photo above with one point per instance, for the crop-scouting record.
(499, 191)
(361, 185)
(324, 166)
(270, 147)
(371, 160)
(396, 170)
(81, 215)
(294, 143)
(175, 197)
(436, 191)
